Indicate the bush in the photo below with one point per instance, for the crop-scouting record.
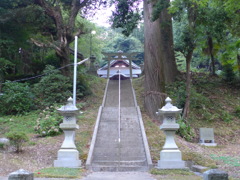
(48, 122)
(83, 87)
(228, 74)
(185, 130)
(17, 139)
(237, 111)
(16, 98)
(52, 88)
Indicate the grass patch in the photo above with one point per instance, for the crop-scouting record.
(171, 172)
(199, 159)
(19, 122)
(174, 174)
(232, 161)
(59, 173)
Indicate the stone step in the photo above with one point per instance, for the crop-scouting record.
(120, 163)
(124, 150)
(119, 168)
(117, 158)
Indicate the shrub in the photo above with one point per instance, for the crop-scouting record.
(16, 98)
(48, 122)
(237, 111)
(185, 130)
(52, 88)
(83, 87)
(228, 74)
(1, 145)
(226, 117)
(17, 139)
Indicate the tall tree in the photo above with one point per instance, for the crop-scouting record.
(64, 14)
(159, 61)
(186, 40)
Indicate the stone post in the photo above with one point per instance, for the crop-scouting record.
(170, 156)
(68, 155)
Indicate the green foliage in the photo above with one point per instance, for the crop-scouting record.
(177, 91)
(17, 139)
(237, 111)
(83, 87)
(126, 16)
(16, 98)
(158, 7)
(48, 122)
(52, 88)
(185, 130)
(117, 42)
(226, 117)
(228, 74)
(5, 64)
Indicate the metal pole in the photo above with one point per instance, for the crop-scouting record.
(119, 106)
(75, 72)
(130, 64)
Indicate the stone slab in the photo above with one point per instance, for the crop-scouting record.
(206, 134)
(21, 174)
(171, 165)
(198, 168)
(215, 174)
(68, 158)
(208, 144)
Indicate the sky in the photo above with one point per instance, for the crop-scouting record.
(102, 17)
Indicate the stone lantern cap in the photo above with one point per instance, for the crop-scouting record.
(168, 108)
(68, 108)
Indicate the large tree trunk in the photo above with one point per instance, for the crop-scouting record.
(188, 85)
(159, 61)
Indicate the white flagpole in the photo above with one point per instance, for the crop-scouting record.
(75, 72)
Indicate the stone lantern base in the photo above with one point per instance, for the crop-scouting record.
(171, 159)
(68, 158)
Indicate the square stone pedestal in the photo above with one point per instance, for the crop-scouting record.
(171, 159)
(68, 158)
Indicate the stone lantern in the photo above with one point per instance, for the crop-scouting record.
(68, 155)
(170, 156)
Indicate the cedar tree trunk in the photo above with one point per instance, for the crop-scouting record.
(159, 61)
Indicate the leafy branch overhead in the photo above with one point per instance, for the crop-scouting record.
(126, 16)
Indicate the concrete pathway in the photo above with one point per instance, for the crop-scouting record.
(106, 176)
(119, 176)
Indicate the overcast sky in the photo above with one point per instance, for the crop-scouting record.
(102, 17)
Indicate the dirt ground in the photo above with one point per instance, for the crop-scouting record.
(42, 152)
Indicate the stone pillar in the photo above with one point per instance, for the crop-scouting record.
(68, 155)
(170, 156)
(21, 174)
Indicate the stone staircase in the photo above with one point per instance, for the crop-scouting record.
(108, 153)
